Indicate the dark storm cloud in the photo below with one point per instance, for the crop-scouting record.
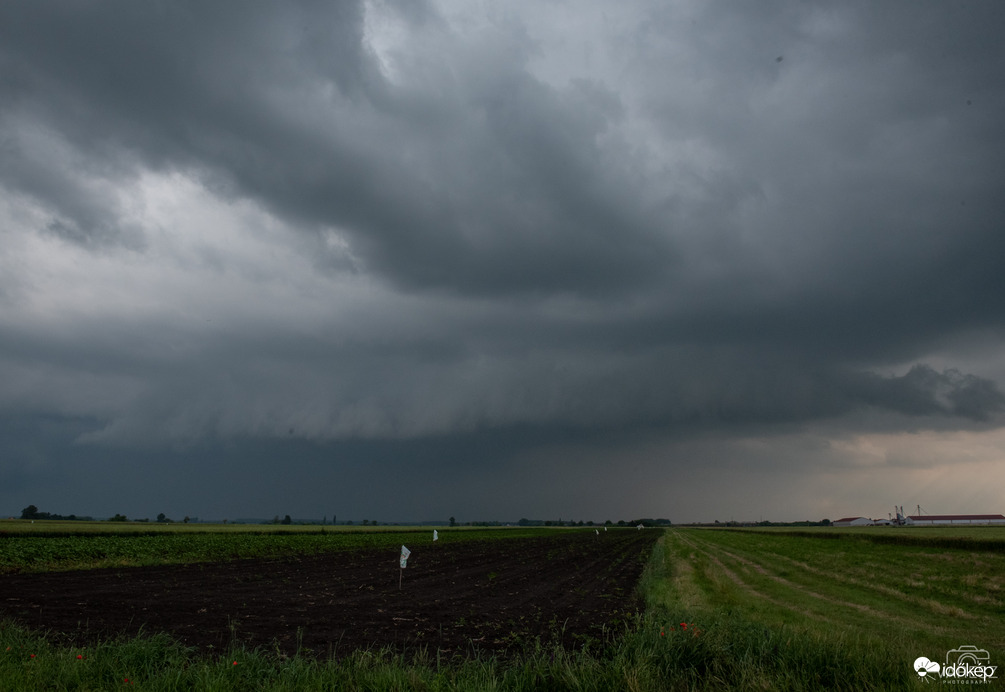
(858, 188)
(493, 182)
(476, 176)
(166, 86)
(922, 391)
(408, 221)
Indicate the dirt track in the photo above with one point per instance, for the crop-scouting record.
(494, 595)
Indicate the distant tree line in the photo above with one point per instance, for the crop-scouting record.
(622, 522)
(165, 519)
(732, 523)
(31, 512)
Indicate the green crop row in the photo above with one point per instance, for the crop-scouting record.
(47, 551)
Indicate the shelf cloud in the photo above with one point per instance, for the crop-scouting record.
(506, 245)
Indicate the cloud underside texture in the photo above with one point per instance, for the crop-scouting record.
(441, 222)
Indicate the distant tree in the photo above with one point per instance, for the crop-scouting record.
(119, 517)
(287, 519)
(186, 519)
(275, 519)
(162, 518)
(365, 522)
(453, 522)
(29, 512)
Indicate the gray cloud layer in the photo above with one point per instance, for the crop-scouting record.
(402, 220)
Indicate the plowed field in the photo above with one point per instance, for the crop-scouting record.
(489, 595)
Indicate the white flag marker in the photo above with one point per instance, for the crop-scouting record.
(405, 552)
(436, 536)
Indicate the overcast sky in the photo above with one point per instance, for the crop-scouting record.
(491, 260)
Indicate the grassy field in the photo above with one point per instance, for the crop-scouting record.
(887, 596)
(725, 609)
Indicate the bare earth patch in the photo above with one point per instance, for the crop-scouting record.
(493, 595)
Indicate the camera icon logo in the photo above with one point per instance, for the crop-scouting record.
(969, 663)
(967, 654)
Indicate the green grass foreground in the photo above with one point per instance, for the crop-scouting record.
(724, 610)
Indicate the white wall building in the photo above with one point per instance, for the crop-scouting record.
(852, 521)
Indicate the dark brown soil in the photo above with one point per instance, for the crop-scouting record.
(493, 596)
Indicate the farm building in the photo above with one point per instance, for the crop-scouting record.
(956, 519)
(852, 521)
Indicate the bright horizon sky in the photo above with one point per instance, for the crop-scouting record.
(411, 260)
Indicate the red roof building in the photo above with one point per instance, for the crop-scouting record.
(931, 519)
